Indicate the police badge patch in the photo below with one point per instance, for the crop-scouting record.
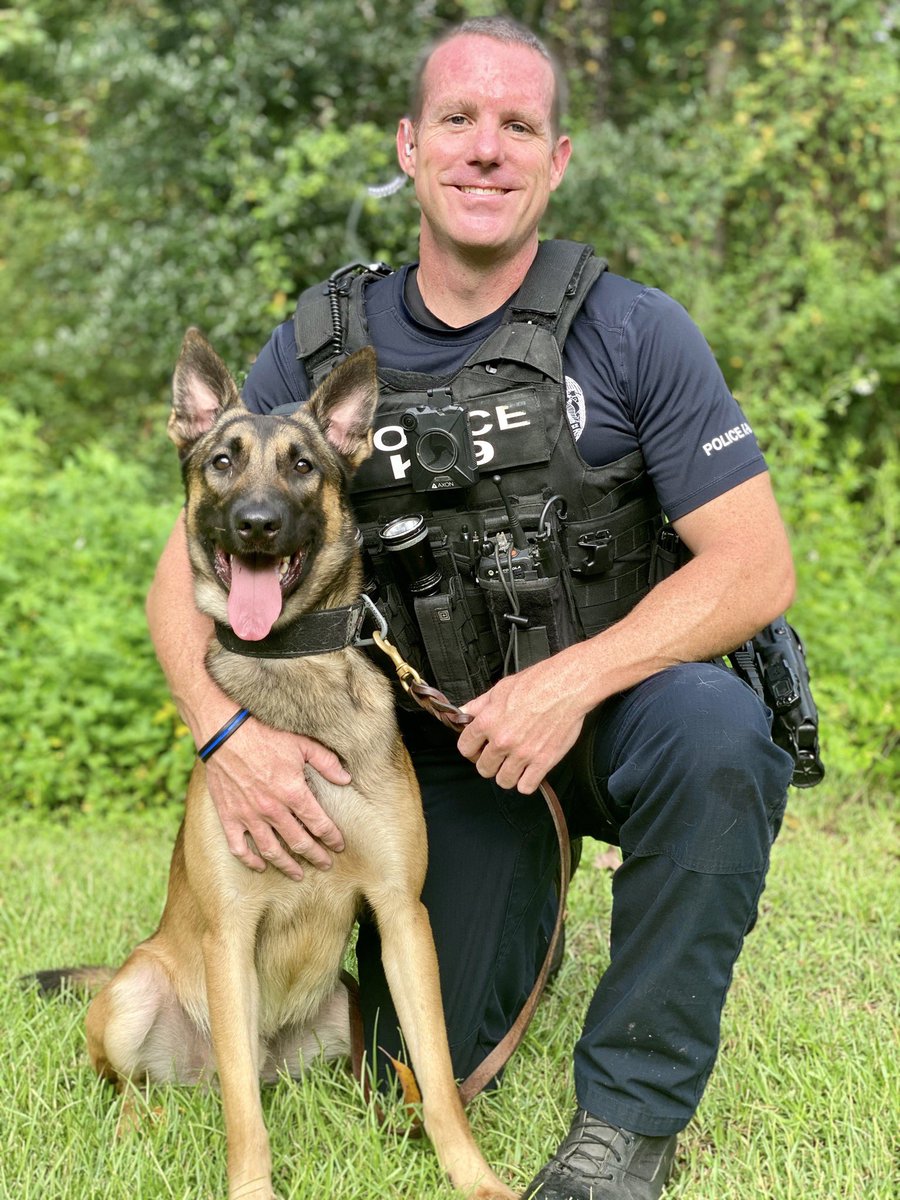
(575, 407)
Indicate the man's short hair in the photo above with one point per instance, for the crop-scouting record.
(501, 29)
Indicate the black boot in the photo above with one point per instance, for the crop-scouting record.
(598, 1161)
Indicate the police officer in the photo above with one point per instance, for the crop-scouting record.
(680, 768)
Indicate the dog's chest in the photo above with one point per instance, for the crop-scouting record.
(339, 699)
(301, 939)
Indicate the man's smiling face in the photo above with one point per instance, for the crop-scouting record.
(485, 158)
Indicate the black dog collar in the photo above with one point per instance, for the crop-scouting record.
(320, 632)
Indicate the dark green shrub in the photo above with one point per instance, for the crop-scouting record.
(85, 709)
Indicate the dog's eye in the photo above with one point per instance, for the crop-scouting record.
(302, 466)
(221, 462)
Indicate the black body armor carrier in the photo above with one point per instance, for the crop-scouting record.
(528, 548)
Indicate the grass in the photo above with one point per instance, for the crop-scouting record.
(803, 1103)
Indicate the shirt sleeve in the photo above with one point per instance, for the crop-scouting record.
(277, 377)
(696, 441)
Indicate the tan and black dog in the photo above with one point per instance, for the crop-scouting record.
(242, 977)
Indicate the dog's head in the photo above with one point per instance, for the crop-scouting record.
(269, 527)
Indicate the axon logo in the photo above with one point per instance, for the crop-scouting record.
(728, 438)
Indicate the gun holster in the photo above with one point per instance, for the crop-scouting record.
(774, 664)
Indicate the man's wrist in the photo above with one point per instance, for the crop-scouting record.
(205, 712)
(234, 723)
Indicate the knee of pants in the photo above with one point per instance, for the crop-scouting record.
(695, 774)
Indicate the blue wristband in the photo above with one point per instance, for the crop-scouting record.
(223, 735)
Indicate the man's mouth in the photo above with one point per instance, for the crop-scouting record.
(483, 191)
(257, 585)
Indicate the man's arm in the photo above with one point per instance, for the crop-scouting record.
(256, 777)
(740, 578)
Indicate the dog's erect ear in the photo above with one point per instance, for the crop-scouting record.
(344, 405)
(201, 389)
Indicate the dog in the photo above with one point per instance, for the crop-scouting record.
(242, 978)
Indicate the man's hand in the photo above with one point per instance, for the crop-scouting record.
(527, 722)
(256, 781)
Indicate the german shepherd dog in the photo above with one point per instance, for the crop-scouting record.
(242, 977)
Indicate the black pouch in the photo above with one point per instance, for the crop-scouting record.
(531, 621)
(451, 643)
(773, 663)
(669, 554)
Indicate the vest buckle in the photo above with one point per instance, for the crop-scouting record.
(597, 546)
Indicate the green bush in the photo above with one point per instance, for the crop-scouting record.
(846, 610)
(84, 705)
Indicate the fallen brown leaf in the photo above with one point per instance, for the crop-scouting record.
(609, 860)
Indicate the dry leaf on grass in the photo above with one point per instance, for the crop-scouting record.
(609, 860)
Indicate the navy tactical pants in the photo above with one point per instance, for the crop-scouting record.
(680, 772)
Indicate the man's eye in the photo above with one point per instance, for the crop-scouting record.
(221, 462)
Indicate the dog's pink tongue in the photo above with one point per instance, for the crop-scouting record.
(254, 601)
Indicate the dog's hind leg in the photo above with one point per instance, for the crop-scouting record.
(410, 964)
(138, 1029)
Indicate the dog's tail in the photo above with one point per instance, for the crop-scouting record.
(59, 980)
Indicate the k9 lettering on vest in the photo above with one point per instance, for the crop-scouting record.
(728, 438)
(485, 426)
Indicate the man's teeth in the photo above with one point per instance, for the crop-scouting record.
(483, 191)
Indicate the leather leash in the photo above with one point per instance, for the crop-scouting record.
(440, 707)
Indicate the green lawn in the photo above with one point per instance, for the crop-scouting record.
(802, 1106)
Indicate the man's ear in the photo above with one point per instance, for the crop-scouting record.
(202, 388)
(406, 147)
(559, 160)
(344, 406)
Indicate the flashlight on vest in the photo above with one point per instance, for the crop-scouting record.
(406, 540)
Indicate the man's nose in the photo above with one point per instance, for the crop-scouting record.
(487, 144)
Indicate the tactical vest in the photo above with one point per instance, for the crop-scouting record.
(535, 549)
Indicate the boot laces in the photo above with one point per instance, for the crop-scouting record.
(576, 1154)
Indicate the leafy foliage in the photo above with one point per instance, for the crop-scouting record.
(165, 164)
(89, 724)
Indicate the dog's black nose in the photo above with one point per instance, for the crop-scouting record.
(257, 525)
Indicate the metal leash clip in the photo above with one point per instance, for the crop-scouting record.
(405, 673)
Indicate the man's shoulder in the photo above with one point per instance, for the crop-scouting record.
(276, 377)
(616, 302)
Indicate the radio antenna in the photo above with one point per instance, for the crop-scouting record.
(515, 525)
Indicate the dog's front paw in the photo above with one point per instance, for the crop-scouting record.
(493, 1189)
(257, 1190)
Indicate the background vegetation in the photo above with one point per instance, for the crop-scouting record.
(166, 163)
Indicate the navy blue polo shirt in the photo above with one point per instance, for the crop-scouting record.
(639, 375)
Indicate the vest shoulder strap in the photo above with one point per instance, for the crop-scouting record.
(555, 287)
(313, 326)
(322, 316)
(538, 317)
(329, 318)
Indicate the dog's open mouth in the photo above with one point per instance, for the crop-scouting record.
(256, 585)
